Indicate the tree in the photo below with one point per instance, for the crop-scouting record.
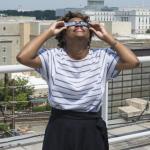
(39, 14)
(16, 90)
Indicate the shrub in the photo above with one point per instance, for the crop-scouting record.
(41, 108)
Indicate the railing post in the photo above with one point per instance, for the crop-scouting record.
(105, 105)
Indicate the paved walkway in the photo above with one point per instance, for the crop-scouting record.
(135, 144)
(35, 142)
(142, 143)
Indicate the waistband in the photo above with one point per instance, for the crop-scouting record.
(75, 114)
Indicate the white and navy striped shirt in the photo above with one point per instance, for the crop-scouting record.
(77, 84)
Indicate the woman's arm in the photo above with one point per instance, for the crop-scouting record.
(128, 59)
(28, 55)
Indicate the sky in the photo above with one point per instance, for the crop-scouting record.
(54, 4)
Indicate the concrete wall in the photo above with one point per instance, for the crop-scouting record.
(13, 36)
(9, 46)
(24, 33)
(9, 28)
(118, 27)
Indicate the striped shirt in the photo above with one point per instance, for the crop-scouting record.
(77, 84)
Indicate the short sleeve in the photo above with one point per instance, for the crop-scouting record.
(112, 60)
(44, 55)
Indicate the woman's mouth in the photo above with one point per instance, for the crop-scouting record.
(78, 29)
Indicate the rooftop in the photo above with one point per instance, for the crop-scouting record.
(34, 140)
(123, 134)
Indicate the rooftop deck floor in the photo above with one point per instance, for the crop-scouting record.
(34, 141)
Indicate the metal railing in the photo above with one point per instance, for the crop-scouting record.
(22, 68)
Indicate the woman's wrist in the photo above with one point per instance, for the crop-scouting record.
(113, 44)
(48, 34)
(109, 39)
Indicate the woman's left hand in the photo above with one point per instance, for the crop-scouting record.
(101, 32)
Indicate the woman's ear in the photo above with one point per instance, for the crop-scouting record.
(91, 33)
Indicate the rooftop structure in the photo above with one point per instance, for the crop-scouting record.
(95, 4)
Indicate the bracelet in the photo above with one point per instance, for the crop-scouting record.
(114, 44)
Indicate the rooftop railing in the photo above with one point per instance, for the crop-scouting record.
(22, 68)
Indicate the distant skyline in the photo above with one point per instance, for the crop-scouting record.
(54, 4)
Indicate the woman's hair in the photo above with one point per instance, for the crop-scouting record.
(60, 37)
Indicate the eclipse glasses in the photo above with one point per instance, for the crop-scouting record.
(74, 23)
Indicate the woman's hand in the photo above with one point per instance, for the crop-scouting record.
(101, 33)
(56, 27)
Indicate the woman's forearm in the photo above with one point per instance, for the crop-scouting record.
(29, 51)
(28, 55)
(127, 57)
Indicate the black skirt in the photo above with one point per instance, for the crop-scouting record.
(70, 130)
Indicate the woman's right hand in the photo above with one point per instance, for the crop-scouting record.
(56, 27)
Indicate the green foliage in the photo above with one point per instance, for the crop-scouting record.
(4, 127)
(5, 130)
(16, 90)
(22, 99)
(21, 86)
(39, 14)
(41, 108)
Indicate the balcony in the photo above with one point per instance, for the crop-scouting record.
(126, 130)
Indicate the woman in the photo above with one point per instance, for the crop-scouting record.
(76, 76)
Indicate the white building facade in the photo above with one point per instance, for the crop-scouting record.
(100, 15)
(139, 18)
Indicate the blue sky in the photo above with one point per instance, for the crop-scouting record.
(53, 4)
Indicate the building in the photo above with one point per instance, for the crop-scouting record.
(113, 25)
(96, 15)
(139, 18)
(9, 42)
(118, 27)
(38, 27)
(14, 33)
(95, 4)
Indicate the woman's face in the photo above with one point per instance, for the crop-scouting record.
(77, 31)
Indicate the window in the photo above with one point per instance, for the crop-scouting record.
(4, 49)
(4, 59)
(146, 20)
(4, 28)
